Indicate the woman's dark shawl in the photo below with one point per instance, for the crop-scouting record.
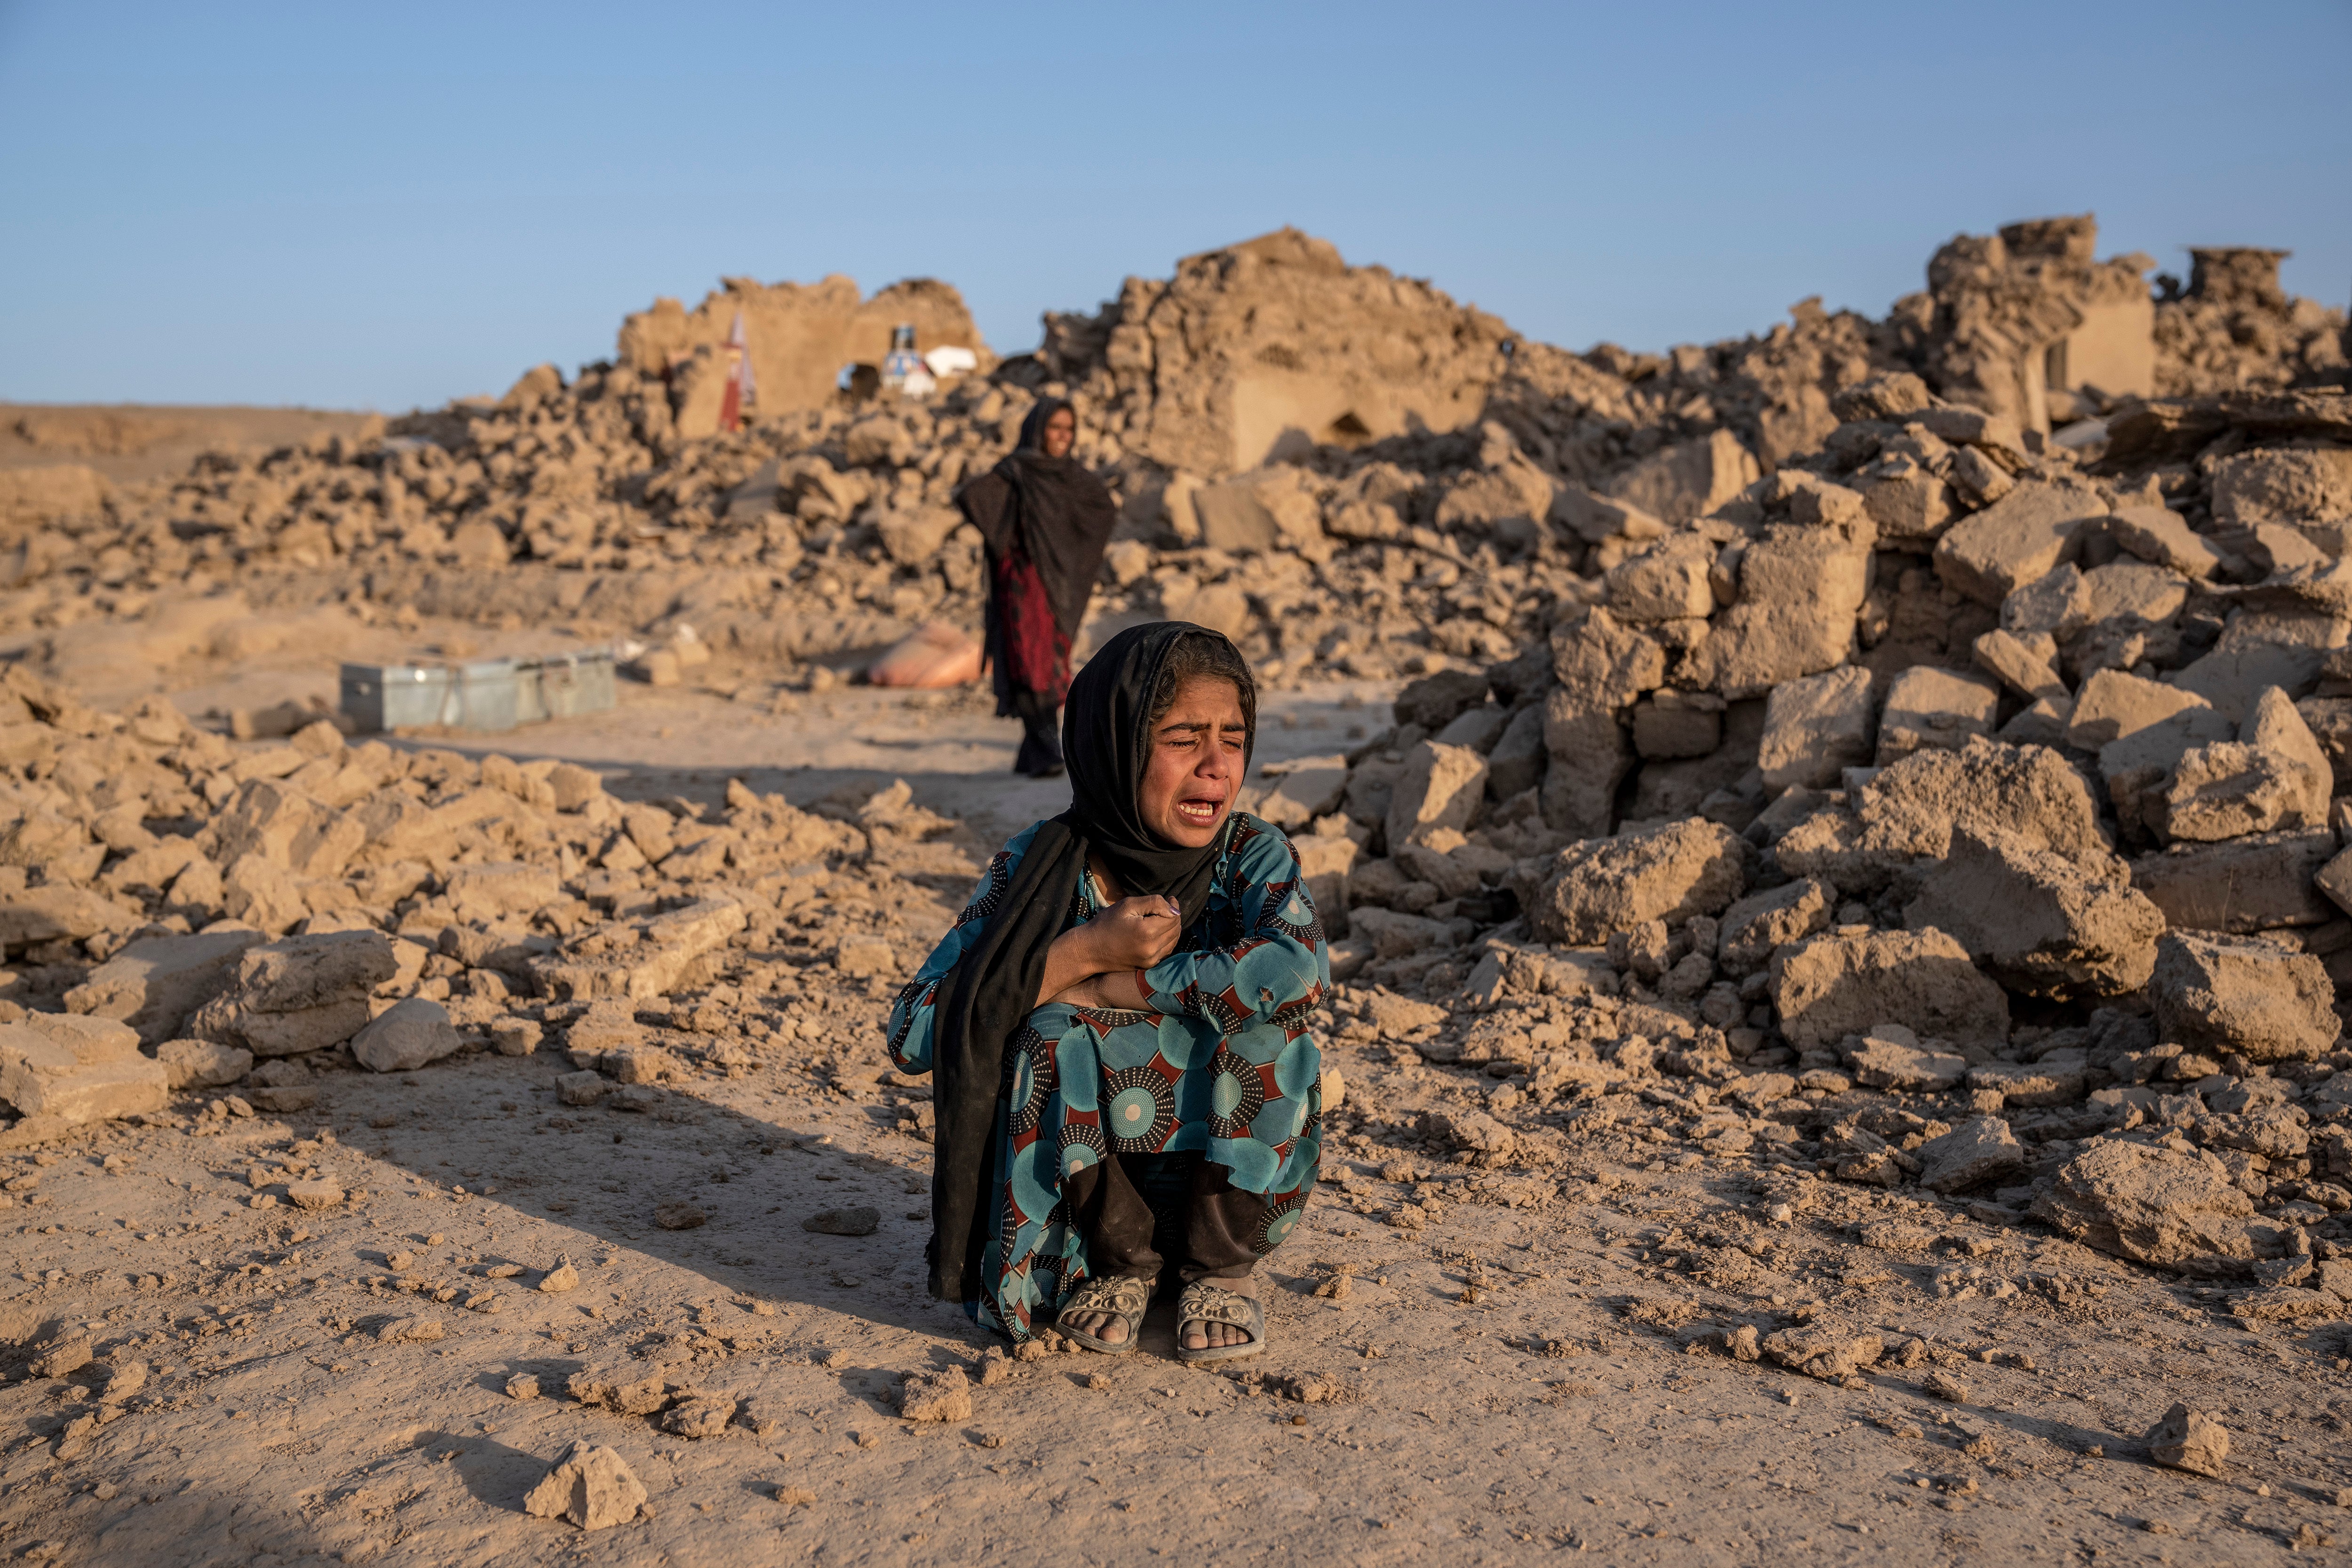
(986, 999)
(1050, 509)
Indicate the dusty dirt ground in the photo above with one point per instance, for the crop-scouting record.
(1525, 1360)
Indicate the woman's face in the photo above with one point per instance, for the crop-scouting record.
(1061, 429)
(1195, 766)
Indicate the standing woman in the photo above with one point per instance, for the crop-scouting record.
(1044, 521)
(1119, 1024)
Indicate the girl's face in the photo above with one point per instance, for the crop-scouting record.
(1061, 429)
(1195, 767)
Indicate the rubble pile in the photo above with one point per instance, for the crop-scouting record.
(2233, 328)
(1347, 470)
(1942, 808)
(182, 914)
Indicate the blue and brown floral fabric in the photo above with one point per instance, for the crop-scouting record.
(1222, 1062)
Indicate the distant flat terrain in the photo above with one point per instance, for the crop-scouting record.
(127, 442)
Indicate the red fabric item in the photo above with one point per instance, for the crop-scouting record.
(1036, 654)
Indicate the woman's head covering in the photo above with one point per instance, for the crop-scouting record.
(1106, 744)
(1033, 427)
(987, 998)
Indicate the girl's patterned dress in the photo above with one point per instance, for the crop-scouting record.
(1221, 1061)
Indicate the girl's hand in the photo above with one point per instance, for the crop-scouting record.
(1135, 933)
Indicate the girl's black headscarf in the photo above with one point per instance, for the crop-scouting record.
(992, 991)
(1050, 509)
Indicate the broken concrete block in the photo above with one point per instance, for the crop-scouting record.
(1799, 590)
(585, 1086)
(1440, 788)
(1976, 1153)
(1823, 1348)
(942, 1396)
(2016, 540)
(1668, 581)
(2055, 1080)
(1589, 890)
(1669, 724)
(2053, 605)
(2190, 1440)
(2282, 485)
(1926, 706)
(489, 890)
(2162, 537)
(2220, 994)
(202, 1063)
(2151, 1205)
(301, 972)
(1588, 756)
(156, 982)
(2037, 922)
(281, 825)
(1683, 482)
(1890, 1058)
(1915, 506)
(1817, 727)
(1516, 763)
(299, 994)
(1751, 928)
(2227, 790)
(1305, 789)
(2238, 671)
(1842, 982)
(1913, 807)
(667, 946)
(2275, 725)
(2240, 885)
(591, 1486)
(2132, 594)
(1600, 663)
(406, 1035)
(2023, 668)
(1393, 934)
(62, 1071)
(56, 911)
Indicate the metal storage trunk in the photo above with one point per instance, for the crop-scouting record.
(479, 695)
(560, 686)
(483, 694)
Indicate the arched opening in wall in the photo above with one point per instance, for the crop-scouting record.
(860, 382)
(1347, 431)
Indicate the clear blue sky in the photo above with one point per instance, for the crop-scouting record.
(382, 207)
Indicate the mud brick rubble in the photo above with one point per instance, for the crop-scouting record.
(1845, 756)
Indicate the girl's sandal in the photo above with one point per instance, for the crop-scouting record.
(1115, 1294)
(1203, 1302)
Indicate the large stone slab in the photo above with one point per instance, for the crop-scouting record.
(1926, 706)
(1816, 727)
(2152, 1206)
(2016, 540)
(406, 1035)
(64, 1072)
(1441, 788)
(1799, 589)
(154, 984)
(2240, 884)
(2037, 922)
(1592, 888)
(2266, 1000)
(1842, 982)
